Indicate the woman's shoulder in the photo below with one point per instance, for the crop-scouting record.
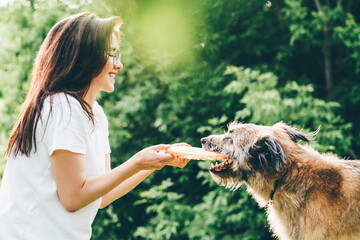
(63, 102)
(63, 109)
(60, 99)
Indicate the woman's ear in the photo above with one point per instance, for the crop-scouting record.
(268, 154)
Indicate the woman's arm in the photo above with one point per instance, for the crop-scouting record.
(76, 190)
(124, 187)
(130, 183)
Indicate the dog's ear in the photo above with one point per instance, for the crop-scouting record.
(294, 134)
(268, 154)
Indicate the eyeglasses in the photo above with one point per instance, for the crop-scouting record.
(115, 55)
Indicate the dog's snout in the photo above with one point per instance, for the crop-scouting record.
(203, 140)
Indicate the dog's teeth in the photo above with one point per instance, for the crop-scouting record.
(212, 165)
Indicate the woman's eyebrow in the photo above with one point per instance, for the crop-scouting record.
(113, 49)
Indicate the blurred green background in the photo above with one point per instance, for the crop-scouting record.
(190, 68)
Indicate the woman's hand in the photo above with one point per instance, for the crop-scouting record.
(153, 158)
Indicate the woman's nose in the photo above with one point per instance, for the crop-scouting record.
(118, 65)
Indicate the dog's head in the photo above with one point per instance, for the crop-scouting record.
(251, 149)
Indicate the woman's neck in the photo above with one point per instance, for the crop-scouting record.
(90, 96)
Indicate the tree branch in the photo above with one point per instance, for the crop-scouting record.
(318, 6)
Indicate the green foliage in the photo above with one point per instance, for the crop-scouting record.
(168, 210)
(293, 104)
(220, 214)
(348, 35)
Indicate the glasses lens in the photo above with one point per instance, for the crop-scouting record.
(117, 56)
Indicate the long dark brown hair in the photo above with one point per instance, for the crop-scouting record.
(72, 54)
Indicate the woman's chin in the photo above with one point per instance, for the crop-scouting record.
(110, 86)
(109, 89)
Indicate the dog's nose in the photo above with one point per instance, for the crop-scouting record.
(203, 140)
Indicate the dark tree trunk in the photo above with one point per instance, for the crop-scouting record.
(327, 53)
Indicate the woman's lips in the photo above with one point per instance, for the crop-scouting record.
(112, 74)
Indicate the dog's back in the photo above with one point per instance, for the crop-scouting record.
(319, 199)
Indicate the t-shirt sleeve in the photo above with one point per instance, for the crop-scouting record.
(66, 128)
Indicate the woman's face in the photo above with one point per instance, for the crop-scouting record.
(106, 79)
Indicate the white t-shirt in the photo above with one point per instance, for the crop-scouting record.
(29, 205)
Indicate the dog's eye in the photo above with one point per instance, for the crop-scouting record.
(231, 131)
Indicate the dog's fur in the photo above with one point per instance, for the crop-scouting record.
(307, 195)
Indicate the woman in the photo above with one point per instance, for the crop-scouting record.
(58, 169)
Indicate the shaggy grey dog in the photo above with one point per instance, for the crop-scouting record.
(307, 195)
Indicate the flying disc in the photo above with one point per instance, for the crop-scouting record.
(195, 153)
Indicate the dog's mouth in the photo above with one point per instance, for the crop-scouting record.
(217, 168)
(222, 167)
